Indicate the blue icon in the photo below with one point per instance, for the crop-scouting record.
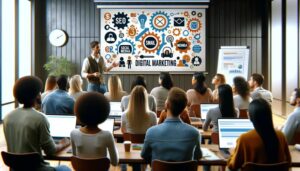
(197, 48)
(194, 25)
(142, 20)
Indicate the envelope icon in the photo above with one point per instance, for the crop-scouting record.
(179, 21)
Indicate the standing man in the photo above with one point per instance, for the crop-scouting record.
(93, 69)
(257, 91)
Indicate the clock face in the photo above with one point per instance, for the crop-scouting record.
(58, 37)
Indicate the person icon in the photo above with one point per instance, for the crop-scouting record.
(129, 61)
(196, 61)
(121, 63)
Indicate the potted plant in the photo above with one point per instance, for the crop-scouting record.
(59, 66)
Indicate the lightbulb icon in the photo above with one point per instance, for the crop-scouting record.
(142, 20)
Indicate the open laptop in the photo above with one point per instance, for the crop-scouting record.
(230, 130)
(107, 125)
(204, 108)
(115, 109)
(61, 125)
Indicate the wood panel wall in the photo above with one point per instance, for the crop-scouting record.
(229, 22)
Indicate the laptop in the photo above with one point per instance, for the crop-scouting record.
(229, 132)
(107, 125)
(61, 125)
(204, 108)
(115, 109)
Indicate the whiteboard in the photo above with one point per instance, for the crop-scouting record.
(144, 40)
(233, 61)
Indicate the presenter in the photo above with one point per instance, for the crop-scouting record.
(93, 69)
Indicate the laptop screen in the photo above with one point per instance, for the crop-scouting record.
(115, 109)
(107, 125)
(61, 125)
(231, 129)
(204, 108)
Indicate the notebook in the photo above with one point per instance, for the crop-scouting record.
(204, 108)
(61, 125)
(115, 109)
(107, 125)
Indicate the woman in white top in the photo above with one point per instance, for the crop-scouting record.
(241, 93)
(89, 141)
(224, 110)
(218, 79)
(75, 89)
(115, 89)
(161, 93)
(138, 118)
(50, 86)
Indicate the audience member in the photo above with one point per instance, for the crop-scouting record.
(138, 118)
(115, 89)
(172, 140)
(75, 89)
(293, 121)
(218, 79)
(27, 130)
(241, 93)
(139, 80)
(224, 110)
(89, 141)
(161, 93)
(256, 81)
(59, 101)
(263, 144)
(50, 86)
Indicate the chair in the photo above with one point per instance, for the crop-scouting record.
(195, 110)
(134, 138)
(98, 164)
(244, 114)
(158, 165)
(283, 166)
(296, 136)
(158, 113)
(20, 162)
(215, 138)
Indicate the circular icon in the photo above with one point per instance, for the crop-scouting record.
(150, 42)
(186, 33)
(196, 61)
(197, 48)
(193, 12)
(107, 56)
(107, 16)
(199, 14)
(110, 37)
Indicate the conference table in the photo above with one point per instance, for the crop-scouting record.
(133, 157)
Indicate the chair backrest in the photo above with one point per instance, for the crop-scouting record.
(24, 161)
(195, 109)
(244, 114)
(134, 138)
(158, 165)
(215, 138)
(99, 164)
(296, 136)
(283, 166)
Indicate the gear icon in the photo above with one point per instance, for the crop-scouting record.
(120, 20)
(160, 21)
(182, 45)
(125, 46)
(194, 25)
(150, 42)
(176, 31)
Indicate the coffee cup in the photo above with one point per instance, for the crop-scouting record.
(127, 145)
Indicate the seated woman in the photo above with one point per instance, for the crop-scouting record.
(89, 141)
(184, 116)
(50, 85)
(115, 89)
(241, 93)
(224, 110)
(161, 93)
(138, 118)
(200, 93)
(263, 144)
(217, 80)
(75, 89)
(139, 80)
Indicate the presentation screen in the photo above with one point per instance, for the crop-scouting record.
(154, 39)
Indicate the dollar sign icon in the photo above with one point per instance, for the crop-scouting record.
(107, 16)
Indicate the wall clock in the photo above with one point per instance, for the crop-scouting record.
(58, 37)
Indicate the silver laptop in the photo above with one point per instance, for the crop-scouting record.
(107, 125)
(115, 109)
(61, 125)
(231, 129)
(204, 108)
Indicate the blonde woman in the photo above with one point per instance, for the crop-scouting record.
(138, 118)
(75, 89)
(218, 80)
(115, 90)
